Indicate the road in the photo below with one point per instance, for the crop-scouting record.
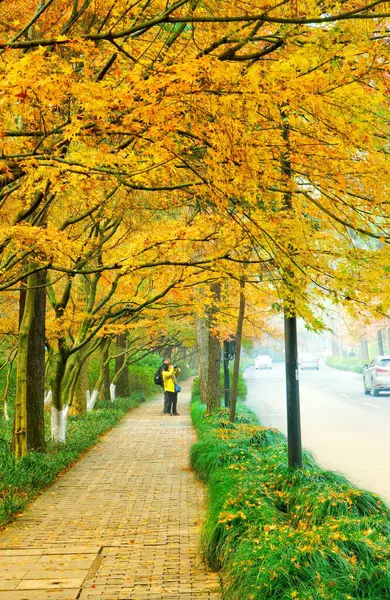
(346, 430)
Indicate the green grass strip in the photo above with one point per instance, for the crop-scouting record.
(278, 533)
(21, 481)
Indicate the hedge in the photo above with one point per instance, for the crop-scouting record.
(346, 363)
(280, 534)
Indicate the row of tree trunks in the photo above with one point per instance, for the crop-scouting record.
(29, 426)
(209, 355)
(202, 338)
(29, 431)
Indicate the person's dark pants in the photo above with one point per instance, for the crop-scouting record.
(166, 403)
(172, 402)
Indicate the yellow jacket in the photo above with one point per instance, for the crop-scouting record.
(169, 378)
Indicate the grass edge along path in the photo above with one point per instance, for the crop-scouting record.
(23, 480)
(282, 534)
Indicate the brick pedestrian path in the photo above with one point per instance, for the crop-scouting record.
(122, 524)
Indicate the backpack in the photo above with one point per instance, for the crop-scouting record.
(158, 378)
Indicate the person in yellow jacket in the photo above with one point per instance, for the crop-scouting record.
(169, 374)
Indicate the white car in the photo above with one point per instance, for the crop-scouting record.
(376, 376)
(263, 362)
(308, 361)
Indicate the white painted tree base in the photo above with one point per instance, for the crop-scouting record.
(59, 420)
(92, 399)
(112, 392)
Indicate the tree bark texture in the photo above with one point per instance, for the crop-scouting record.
(4, 398)
(202, 341)
(213, 391)
(20, 441)
(36, 370)
(236, 368)
(121, 368)
(105, 368)
(58, 378)
(79, 388)
(380, 341)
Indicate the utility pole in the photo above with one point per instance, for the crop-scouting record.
(290, 321)
(292, 389)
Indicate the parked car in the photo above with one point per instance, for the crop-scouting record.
(263, 362)
(376, 376)
(309, 361)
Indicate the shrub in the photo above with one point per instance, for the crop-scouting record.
(346, 363)
(280, 533)
(141, 379)
(150, 362)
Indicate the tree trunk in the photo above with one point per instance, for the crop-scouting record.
(6, 391)
(193, 359)
(105, 368)
(380, 341)
(36, 368)
(121, 369)
(20, 443)
(103, 379)
(181, 355)
(58, 412)
(236, 369)
(364, 349)
(78, 390)
(57, 380)
(202, 340)
(213, 392)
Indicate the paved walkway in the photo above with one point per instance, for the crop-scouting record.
(122, 524)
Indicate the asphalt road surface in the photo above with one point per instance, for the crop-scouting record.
(346, 430)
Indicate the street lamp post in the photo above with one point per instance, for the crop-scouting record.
(292, 390)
